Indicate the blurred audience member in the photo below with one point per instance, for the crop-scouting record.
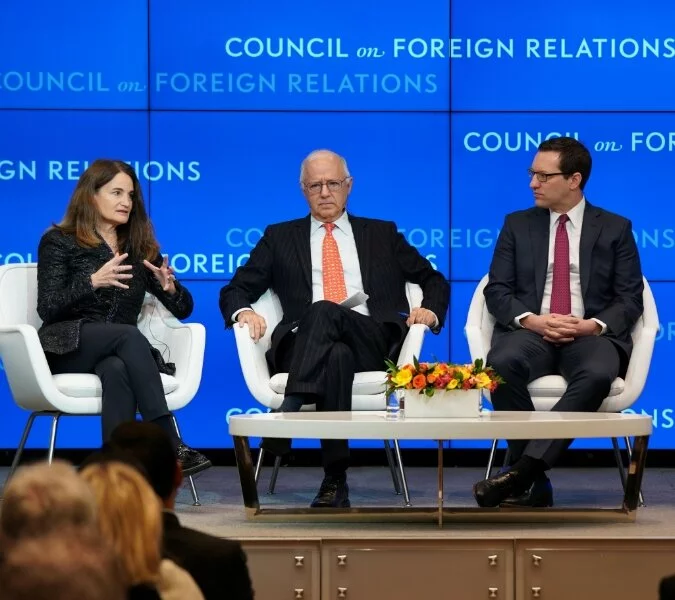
(61, 565)
(130, 519)
(667, 588)
(42, 498)
(216, 564)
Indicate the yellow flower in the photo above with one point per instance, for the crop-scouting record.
(452, 384)
(464, 372)
(482, 380)
(403, 377)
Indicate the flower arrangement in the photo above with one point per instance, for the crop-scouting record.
(430, 377)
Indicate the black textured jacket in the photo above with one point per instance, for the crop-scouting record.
(217, 565)
(66, 298)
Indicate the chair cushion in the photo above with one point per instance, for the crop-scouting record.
(86, 385)
(365, 383)
(554, 386)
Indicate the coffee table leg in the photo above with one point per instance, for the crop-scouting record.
(249, 489)
(635, 471)
(440, 483)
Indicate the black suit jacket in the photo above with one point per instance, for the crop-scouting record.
(217, 565)
(282, 261)
(667, 588)
(611, 277)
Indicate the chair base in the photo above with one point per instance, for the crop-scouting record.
(395, 467)
(617, 456)
(56, 415)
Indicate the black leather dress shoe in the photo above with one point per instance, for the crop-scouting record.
(490, 492)
(333, 493)
(191, 461)
(538, 495)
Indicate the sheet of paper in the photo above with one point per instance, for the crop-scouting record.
(355, 300)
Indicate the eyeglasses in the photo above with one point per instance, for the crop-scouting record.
(543, 177)
(333, 185)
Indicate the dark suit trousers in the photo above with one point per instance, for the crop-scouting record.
(589, 365)
(331, 345)
(120, 355)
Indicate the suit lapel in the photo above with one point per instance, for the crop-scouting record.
(539, 238)
(361, 239)
(590, 230)
(302, 247)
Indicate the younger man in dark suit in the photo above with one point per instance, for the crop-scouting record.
(217, 565)
(313, 264)
(565, 287)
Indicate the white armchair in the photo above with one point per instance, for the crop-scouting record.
(546, 391)
(368, 389)
(35, 389)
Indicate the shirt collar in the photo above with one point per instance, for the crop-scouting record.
(575, 215)
(342, 223)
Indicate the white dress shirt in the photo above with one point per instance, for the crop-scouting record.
(573, 226)
(349, 257)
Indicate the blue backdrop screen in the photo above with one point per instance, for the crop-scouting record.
(438, 110)
(583, 56)
(280, 56)
(74, 54)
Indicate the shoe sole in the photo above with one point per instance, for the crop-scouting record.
(512, 505)
(345, 504)
(197, 468)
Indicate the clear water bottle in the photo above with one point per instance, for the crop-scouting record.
(395, 405)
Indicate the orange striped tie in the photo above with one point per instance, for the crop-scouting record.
(334, 288)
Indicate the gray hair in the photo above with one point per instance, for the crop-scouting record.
(61, 566)
(42, 498)
(315, 154)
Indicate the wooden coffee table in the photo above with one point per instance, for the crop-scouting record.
(490, 425)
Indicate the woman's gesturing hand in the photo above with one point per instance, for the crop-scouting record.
(163, 274)
(113, 273)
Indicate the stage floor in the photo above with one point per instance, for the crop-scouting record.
(222, 511)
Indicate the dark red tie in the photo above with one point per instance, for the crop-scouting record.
(561, 297)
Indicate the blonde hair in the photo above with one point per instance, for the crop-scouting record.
(41, 498)
(130, 518)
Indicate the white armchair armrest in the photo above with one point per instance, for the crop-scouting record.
(412, 345)
(185, 342)
(254, 365)
(26, 367)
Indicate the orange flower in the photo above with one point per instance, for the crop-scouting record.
(431, 377)
(419, 381)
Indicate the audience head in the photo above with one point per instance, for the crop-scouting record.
(61, 565)
(559, 173)
(108, 195)
(326, 184)
(130, 517)
(41, 498)
(152, 448)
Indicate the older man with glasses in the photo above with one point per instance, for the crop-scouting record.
(313, 264)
